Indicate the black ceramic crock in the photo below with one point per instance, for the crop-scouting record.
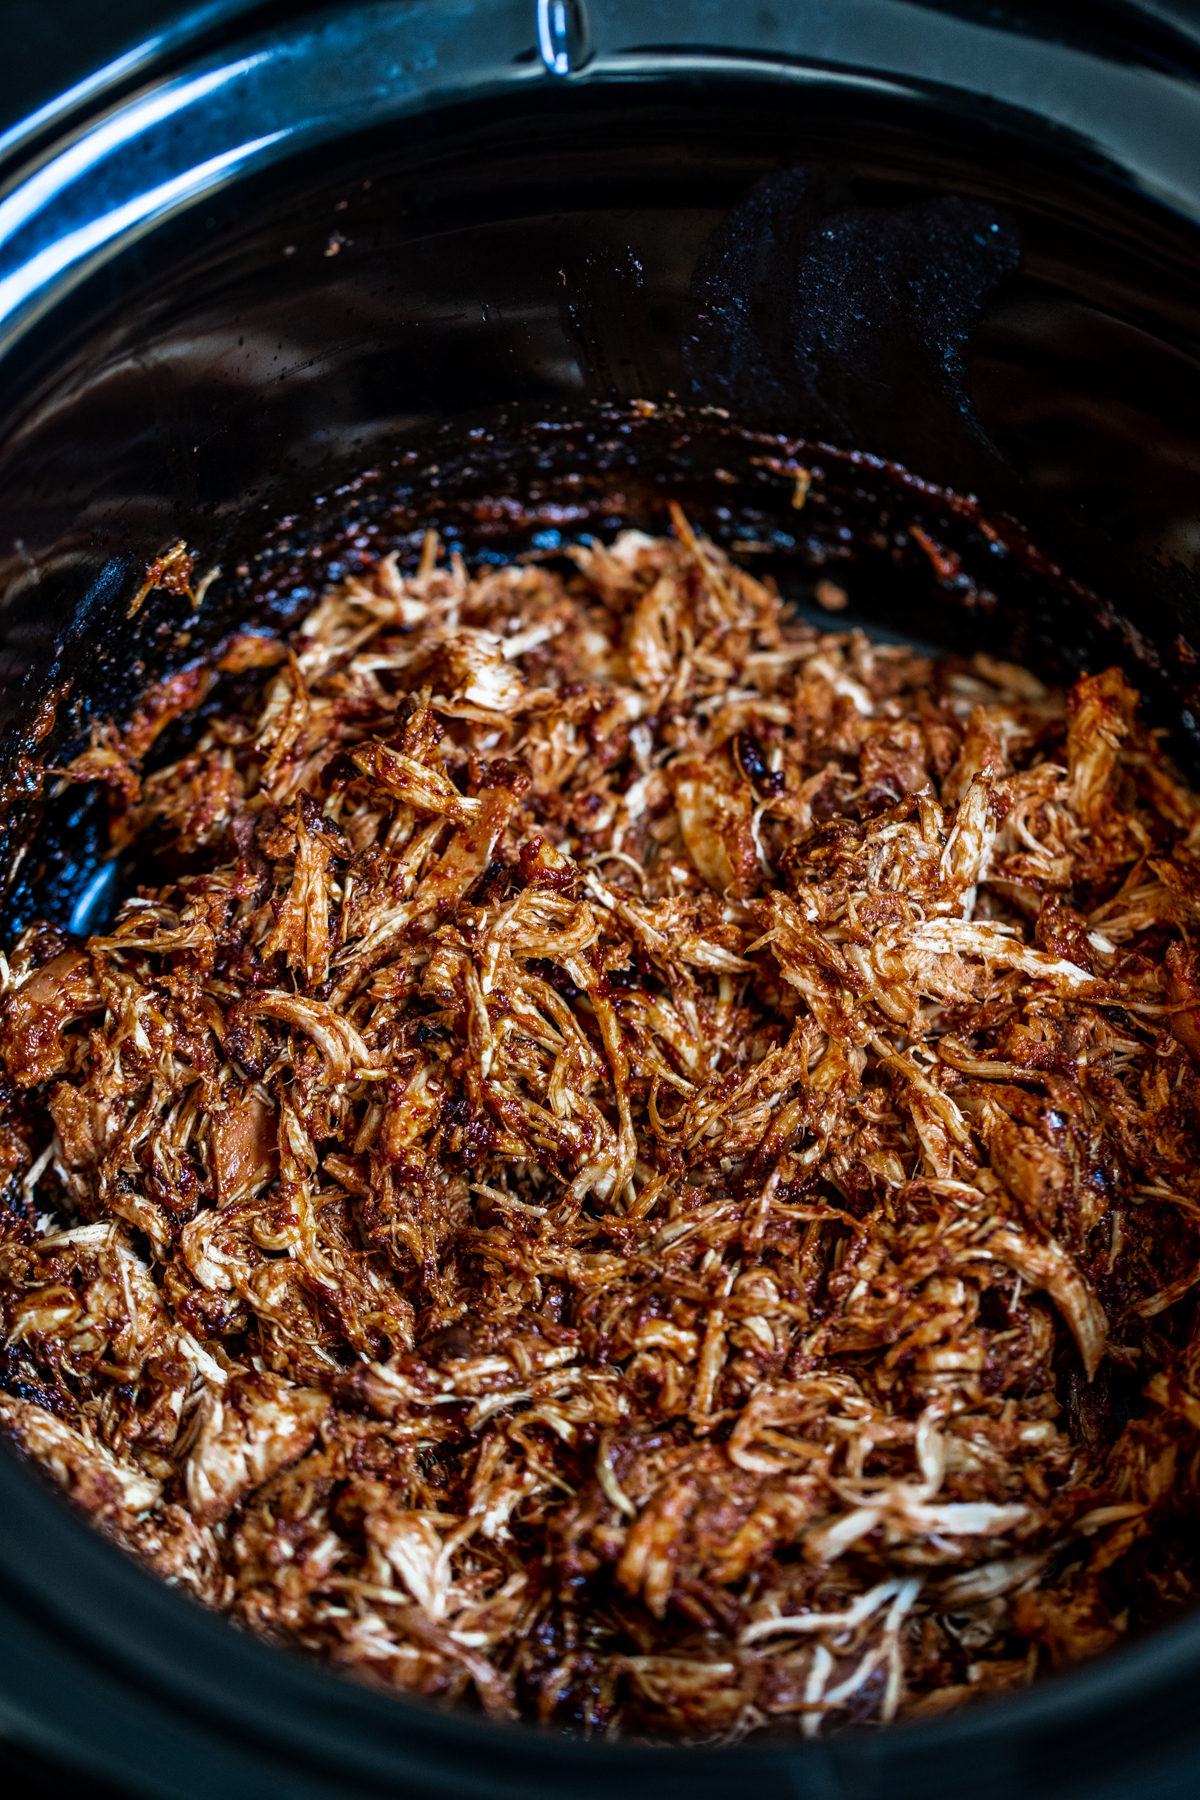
(278, 245)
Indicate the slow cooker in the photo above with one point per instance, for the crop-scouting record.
(286, 277)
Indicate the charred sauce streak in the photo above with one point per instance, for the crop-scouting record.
(638, 1164)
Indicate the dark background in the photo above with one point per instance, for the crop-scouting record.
(48, 45)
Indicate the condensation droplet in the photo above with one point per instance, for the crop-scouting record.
(563, 37)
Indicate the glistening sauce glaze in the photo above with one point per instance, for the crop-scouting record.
(629, 1158)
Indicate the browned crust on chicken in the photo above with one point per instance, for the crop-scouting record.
(627, 1155)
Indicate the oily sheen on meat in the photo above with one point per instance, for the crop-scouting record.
(623, 1162)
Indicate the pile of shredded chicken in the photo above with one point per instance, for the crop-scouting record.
(637, 1161)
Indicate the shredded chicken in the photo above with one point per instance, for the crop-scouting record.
(635, 1161)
